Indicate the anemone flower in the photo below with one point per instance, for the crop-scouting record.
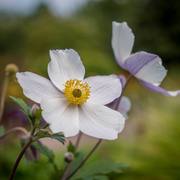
(71, 103)
(146, 67)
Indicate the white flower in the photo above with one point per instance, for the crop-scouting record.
(71, 103)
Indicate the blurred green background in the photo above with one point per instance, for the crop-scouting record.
(150, 144)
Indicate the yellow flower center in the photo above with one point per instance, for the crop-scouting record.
(76, 91)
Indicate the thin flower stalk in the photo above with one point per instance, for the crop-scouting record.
(86, 158)
(13, 172)
(68, 166)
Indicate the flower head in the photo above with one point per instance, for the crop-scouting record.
(77, 92)
(71, 103)
(144, 66)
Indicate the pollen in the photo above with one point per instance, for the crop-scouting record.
(77, 92)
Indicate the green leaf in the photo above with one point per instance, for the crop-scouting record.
(2, 130)
(71, 148)
(25, 108)
(45, 151)
(59, 137)
(42, 133)
(100, 170)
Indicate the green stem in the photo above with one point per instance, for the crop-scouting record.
(68, 166)
(16, 164)
(85, 159)
(78, 140)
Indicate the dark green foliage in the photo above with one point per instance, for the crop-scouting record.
(78, 159)
(59, 137)
(2, 130)
(71, 148)
(45, 151)
(101, 169)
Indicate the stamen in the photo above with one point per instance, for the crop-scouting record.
(76, 92)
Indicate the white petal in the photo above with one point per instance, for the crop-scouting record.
(104, 89)
(122, 41)
(100, 122)
(61, 116)
(153, 72)
(51, 107)
(65, 65)
(36, 87)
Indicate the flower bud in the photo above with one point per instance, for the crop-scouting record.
(68, 157)
(35, 110)
(11, 69)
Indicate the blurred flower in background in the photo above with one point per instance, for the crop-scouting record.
(146, 67)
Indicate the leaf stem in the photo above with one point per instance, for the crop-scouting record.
(86, 158)
(13, 172)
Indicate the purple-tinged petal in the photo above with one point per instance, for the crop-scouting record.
(123, 106)
(160, 89)
(115, 103)
(137, 61)
(147, 67)
(122, 80)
